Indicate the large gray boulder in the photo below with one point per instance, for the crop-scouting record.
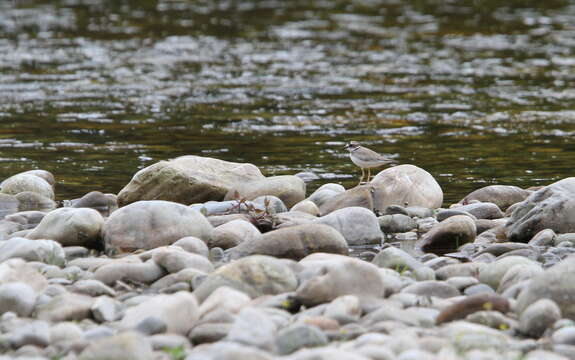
(551, 207)
(328, 276)
(150, 224)
(27, 181)
(501, 195)
(71, 227)
(290, 189)
(406, 185)
(358, 225)
(187, 180)
(294, 242)
(254, 275)
(555, 283)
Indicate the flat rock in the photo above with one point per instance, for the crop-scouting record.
(65, 307)
(294, 242)
(150, 224)
(482, 210)
(139, 272)
(438, 289)
(501, 195)
(187, 179)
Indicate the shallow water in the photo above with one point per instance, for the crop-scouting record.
(475, 92)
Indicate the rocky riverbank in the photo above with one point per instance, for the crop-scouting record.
(198, 258)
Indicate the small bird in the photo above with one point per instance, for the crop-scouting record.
(366, 158)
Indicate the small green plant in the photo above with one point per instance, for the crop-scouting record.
(401, 269)
(176, 352)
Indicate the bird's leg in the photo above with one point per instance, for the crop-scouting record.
(368, 174)
(362, 174)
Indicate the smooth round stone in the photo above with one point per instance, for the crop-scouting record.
(255, 275)
(17, 297)
(105, 204)
(65, 332)
(438, 289)
(232, 234)
(294, 242)
(27, 182)
(449, 235)
(482, 210)
(406, 185)
(151, 325)
(306, 206)
(359, 226)
(446, 214)
(565, 335)
(209, 332)
(126, 346)
(539, 316)
(193, 245)
(151, 224)
(396, 223)
(478, 289)
(570, 237)
(299, 336)
(71, 227)
(544, 237)
(462, 282)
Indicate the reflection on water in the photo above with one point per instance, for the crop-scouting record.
(475, 92)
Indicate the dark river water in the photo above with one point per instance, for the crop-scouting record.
(475, 92)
